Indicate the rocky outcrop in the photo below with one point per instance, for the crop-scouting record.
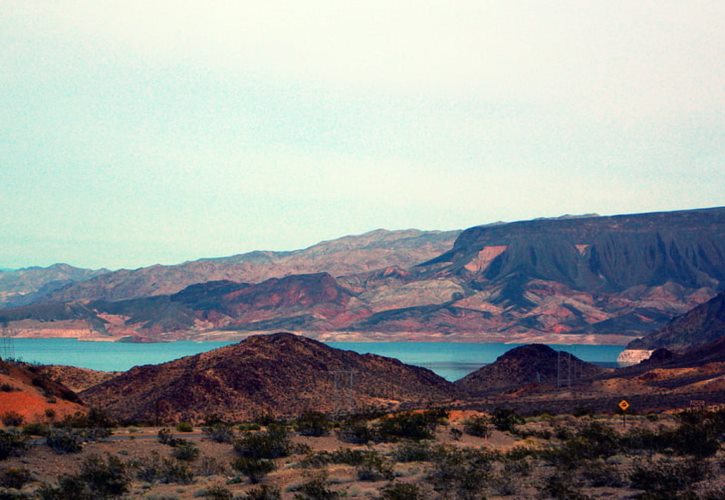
(281, 374)
(528, 365)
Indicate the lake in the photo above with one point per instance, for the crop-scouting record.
(448, 359)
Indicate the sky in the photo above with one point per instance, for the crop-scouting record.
(135, 133)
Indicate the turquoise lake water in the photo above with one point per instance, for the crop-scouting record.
(449, 360)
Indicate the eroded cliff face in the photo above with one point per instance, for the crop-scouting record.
(633, 356)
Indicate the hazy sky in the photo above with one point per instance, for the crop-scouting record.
(133, 133)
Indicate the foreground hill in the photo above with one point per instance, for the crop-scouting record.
(528, 365)
(346, 255)
(27, 391)
(280, 374)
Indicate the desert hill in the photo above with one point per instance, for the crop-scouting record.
(279, 374)
(533, 364)
(27, 391)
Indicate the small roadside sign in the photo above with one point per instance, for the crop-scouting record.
(623, 405)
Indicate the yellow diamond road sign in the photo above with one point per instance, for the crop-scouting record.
(623, 405)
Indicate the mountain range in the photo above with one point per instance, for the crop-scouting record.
(605, 279)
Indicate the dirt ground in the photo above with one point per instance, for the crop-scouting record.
(212, 467)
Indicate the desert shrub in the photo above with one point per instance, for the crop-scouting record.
(699, 438)
(50, 413)
(355, 431)
(456, 434)
(316, 487)
(219, 432)
(374, 468)
(263, 492)
(462, 472)
(265, 419)
(401, 491)
(163, 470)
(408, 426)
(506, 419)
(666, 476)
(12, 419)
(477, 426)
(12, 444)
(69, 487)
(64, 441)
(185, 450)
(339, 456)
(249, 426)
(166, 437)
(98, 478)
(593, 441)
(96, 418)
(412, 451)
(562, 487)
(517, 467)
(598, 473)
(16, 478)
(272, 443)
(184, 427)
(210, 466)
(105, 478)
(254, 468)
(7, 388)
(218, 492)
(313, 424)
(36, 429)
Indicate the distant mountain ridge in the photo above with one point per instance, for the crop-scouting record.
(21, 286)
(621, 276)
(346, 255)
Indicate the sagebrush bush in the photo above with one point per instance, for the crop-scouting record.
(562, 486)
(218, 492)
(272, 443)
(667, 476)
(374, 467)
(12, 419)
(219, 433)
(263, 492)
(185, 450)
(105, 477)
(166, 437)
(36, 429)
(401, 491)
(163, 470)
(460, 471)
(412, 451)
(15, 478)
(355, 431)
(64, 441)
(184, 427)
(408, 425)
(12, 444)
(254, 468)
(477, 426)
(506, 419)
(316, 487)
(313, 424)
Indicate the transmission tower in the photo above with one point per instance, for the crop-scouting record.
(343, 383)
(7, 343)
(564, 365)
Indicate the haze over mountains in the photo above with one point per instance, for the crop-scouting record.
(603, 277)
